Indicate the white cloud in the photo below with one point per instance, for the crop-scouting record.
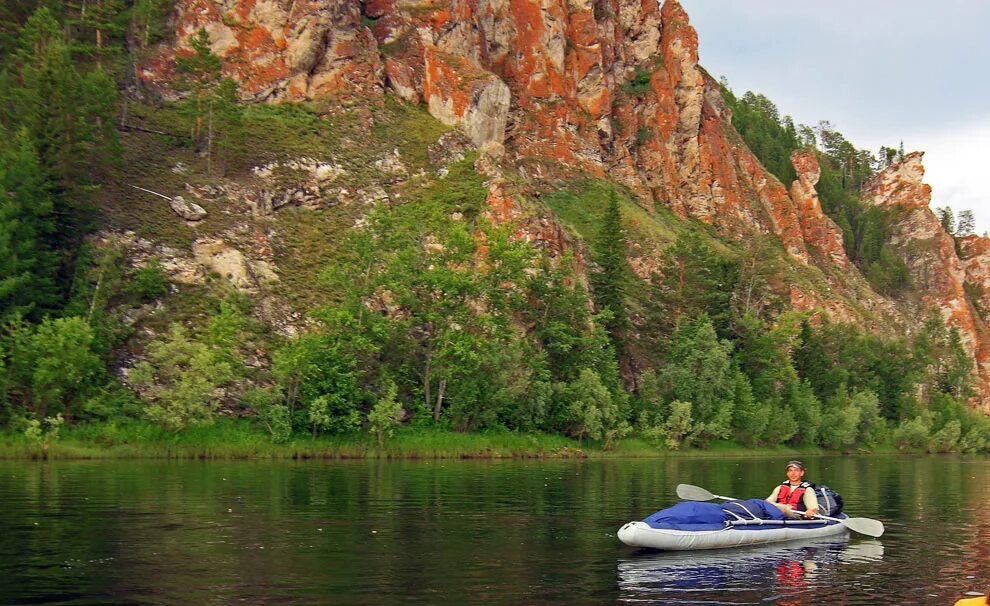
(956, 168)
(881, 72)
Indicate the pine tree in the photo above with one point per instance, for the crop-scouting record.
(966, 225)
(199, 72)
(946, 218)
(697, 280)
(212, 102)
(613, 267)
(28, 263)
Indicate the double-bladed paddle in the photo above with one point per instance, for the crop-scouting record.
(867, 526)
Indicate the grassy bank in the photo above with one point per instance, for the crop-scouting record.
(237, 439)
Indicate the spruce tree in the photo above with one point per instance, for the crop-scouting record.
(28, 263)
(610, 279)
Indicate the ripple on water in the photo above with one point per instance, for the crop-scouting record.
(513, 532)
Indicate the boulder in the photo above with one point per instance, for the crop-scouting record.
(190, 211)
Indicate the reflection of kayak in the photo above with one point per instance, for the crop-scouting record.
(691, 577)
(829, 549)
(732, 534)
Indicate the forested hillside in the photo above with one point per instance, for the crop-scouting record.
(175, 253)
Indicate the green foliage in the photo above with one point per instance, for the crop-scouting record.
(68, 115)
(697, 280)
(679, 429)
(941, 360)
(866, 229)
(270, 411)
(699, 370)
(52, 365)
(807, 410)
(976, 437)
(837, 359)
(966, 225)
(946, 218)
(913, 433)
(148, 18)
(149, 282)
(762, 353)
(180, 378)
(840, 425)
(28, 260)
(613, 271)
(640, 84)
(782, 426)
(112, 402)
(385, 415)
(44, 431)
(592, 411)
(212, 104)
(568, 336)
(769, 136)
(946, 439)
(327, 387)
(751, 417)
(643, 135)
(332, 413)
(872, 430)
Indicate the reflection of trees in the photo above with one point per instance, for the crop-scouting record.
(433, 531)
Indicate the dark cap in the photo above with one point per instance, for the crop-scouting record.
(795, 463)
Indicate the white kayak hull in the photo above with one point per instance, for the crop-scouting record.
(641, 534)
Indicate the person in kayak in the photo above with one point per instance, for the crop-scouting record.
(795, 497)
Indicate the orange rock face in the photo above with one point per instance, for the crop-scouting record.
(975, 256)
(937, 273)
(301, 50)
(610, 88)
(819, 231)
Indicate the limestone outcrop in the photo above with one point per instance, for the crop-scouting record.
(299, 50)
(937, 272)
(819, 231)
(608, 88)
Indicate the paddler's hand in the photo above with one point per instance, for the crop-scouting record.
(811, 513)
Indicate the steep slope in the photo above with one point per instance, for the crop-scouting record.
(939, 275)
(565, 88)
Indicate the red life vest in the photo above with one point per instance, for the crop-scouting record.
(794, 498)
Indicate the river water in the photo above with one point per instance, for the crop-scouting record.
(470, 532)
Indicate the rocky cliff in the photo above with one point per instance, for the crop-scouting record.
(610, 88)
(939, 271)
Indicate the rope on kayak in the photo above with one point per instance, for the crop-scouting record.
(752, 516)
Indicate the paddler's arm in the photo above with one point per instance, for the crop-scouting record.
(810, 503)
(773, 495)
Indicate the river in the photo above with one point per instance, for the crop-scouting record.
(470, 532)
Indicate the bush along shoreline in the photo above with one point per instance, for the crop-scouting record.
(230, 439)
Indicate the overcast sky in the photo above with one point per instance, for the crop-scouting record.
(881, 71)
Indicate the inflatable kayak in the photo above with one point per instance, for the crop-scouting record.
(692, 525)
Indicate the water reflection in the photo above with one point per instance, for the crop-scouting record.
(785, 574)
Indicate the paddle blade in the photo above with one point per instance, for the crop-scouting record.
(693, 493)
(867, 526)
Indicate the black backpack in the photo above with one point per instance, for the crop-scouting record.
(829, 501)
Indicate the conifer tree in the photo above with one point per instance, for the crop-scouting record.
(695, 280)
(28, 263)
(699, 370)
(947, 219)
(212, 101)
(966, 225)
(613, 267)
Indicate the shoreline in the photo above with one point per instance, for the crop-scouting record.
(239, 440)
